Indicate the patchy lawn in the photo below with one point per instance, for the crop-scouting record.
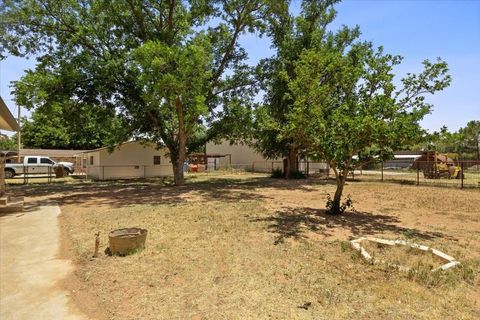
(250, 247)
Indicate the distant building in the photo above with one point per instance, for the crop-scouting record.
(238, 156)
(128, 160)
(402, 159)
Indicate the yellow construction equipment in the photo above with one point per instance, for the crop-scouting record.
(437, 165)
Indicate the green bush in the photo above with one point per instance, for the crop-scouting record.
(348, 203)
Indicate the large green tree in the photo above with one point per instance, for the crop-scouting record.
(291, 36)
(61, 127)
(470, 138)
(348, 109)
(442, 141)
(465, 141)
(8, 143)
(166, 68)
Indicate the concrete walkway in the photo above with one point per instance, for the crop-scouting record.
(30, 269)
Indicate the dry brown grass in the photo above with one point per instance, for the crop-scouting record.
(249, 247)
(401, 255)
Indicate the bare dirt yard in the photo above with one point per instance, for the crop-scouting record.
(244, 246)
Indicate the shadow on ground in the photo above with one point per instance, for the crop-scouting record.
(121, 193)
(297, 223)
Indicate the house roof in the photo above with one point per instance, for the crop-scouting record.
(409, 153)
(50, 152)
(7, 121)
(115, 146)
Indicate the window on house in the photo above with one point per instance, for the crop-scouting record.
(156, 160)
(91, 160)
(84, 163)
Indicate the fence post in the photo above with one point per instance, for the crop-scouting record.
(382, 171)
(103, 172)
(418, 175)
(308, 167)
(461, 173)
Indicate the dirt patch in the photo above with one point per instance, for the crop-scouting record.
(78, 290)
(245, 246)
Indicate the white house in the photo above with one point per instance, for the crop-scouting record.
(242, 156)
(239, 156)
(128, 160)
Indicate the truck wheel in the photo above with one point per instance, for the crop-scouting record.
(66, 172)
(9, 173)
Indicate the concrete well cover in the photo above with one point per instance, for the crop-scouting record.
(450, 262)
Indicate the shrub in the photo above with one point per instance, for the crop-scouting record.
(348, 203)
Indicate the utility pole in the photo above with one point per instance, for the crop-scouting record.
(19, 136)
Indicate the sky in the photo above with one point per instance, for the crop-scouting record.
(414, 29)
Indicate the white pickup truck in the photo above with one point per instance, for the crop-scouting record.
(36, 165)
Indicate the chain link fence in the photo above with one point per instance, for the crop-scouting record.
(466, 174)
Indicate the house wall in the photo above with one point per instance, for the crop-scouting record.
(93, 170)
(130, 160)
(242, 157)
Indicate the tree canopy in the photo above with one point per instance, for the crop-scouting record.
(173, 72)
(348, 110)
(68, 128)
(332, 96)
(290, 36)
(465, 141)
(8, 143)
(159, 67)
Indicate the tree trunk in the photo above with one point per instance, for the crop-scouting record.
(337, 198)
(179, 159)
(340, 178)
(291, 164)
(178, 176)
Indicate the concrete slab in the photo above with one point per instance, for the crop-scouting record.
(30, 269)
